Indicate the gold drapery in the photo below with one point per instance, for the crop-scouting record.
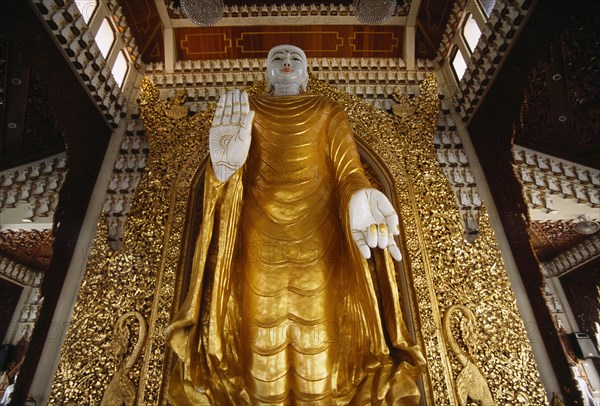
(282, 307)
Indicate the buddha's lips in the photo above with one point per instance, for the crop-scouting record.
(286, 69)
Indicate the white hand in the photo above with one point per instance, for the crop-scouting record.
(373, 222)
(229, 137)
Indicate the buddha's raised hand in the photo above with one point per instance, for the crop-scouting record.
(373, 222)
(229, 137)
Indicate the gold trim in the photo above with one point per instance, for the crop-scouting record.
(188, 41)
(366, 33)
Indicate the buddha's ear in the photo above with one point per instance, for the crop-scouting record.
(304, 84)
(269, 87)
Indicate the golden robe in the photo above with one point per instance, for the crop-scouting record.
(282, 308)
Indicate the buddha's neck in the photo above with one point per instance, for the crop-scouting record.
(286, 89)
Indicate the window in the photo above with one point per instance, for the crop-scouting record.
(458, 64)
(120, 68)
(87, 8)
(471, 32)
(487, 6)
(105, 38)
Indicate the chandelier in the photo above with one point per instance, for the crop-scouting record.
(203, 12)
(586, 226)
(373, 12)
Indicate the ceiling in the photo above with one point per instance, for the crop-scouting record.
(546, 98)
(319, 35)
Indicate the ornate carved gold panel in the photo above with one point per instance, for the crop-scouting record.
(440, 270)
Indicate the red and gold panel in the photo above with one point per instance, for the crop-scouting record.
(32, 248)
(316, 41)
(550, 238)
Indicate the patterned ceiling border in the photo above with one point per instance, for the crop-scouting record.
(316, 40)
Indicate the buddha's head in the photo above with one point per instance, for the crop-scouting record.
(287, 73)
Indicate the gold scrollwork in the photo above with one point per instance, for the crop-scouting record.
(176, 110)
(120, 389)
(470, 382)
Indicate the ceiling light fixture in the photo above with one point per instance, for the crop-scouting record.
(373, 12)
(586, 226)
(203, 12)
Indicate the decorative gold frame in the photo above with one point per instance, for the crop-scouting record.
(441, 269)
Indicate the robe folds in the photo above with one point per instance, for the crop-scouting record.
(282, 308)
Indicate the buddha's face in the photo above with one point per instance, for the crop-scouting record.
(286, 70)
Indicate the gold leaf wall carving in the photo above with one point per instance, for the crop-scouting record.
(441, 269)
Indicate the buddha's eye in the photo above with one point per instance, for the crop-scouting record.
(277, 58)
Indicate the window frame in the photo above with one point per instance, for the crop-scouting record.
(114, 39)
(462, 32)
(483, 10)
(92, 14)
(451, 63)
(124, 53)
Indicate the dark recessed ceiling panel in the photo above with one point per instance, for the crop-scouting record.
(432, 18)
(561, 102)
(146, 27)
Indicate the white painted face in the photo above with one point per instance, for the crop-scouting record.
(287, 72)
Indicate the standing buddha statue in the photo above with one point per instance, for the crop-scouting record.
(282, 307)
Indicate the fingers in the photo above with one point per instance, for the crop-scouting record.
(247, 122)
(393, 248)
(245, 106)
(232, 108)
(395, 252)
(359, 239)
(371, 235)
(236, 109)
(227, 111)
(386, 209)
(219, 111)
(377, 235)
(382, 236)
(246, 127)
(393, 224)
(388, 241)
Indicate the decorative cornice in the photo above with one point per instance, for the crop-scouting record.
(372, 79)
(19, 273)
(544, 176)
(499, 32)
(36, 184)
(458, 171)
(292, 13)
(451, 29)
(573, 257)
(81, 51)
